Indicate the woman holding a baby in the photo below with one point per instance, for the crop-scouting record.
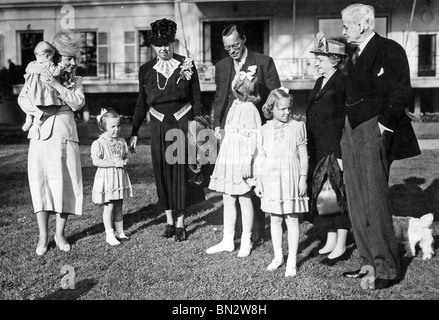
(54, 165)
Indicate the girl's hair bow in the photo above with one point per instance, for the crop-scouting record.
(99, 117)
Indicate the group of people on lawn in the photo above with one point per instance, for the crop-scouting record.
(268, 162)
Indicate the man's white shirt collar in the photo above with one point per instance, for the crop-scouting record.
(365, 42)
(243, 58)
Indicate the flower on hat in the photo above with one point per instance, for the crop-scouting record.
(323, 46)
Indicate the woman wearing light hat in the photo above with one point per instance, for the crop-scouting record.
(169, 89)
(324, 124)
(54, 164)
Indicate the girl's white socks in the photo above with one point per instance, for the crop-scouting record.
(119, 230)
(110, 238)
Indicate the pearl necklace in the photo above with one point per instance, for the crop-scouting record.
(158, 82)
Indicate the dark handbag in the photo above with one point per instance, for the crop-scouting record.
(327, 200)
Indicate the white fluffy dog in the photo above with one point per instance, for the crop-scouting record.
(412, 231)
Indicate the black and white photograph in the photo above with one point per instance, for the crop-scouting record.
(215, 158)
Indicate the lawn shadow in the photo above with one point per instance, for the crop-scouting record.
(157, 217)
(319, 234)
(436, 242)
(431, 199)
(404, 261)
(149, 212)
(129, 219)
(211, 213)
(81, 288)
(408, 198)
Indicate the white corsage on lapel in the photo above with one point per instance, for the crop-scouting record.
(252, 69)
(381, 72)
(250, 74)
(186, 69)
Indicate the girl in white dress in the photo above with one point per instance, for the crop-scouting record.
(232, 174)
(281, 168)
(112, 183)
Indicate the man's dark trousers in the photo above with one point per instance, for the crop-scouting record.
(366, 173)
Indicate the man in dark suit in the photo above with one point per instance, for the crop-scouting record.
(377, 131)
(240, 58)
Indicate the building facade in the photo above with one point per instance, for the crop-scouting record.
(114, 45)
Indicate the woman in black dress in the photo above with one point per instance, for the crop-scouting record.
(169, 89)
(324, 124)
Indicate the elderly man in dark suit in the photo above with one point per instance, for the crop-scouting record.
(376, 132)
(239, 59)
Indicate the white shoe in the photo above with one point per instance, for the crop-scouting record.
(246, 246)
(111, 240)
(276, 263)
(63, 247)
(41, 251)
(291, 268)
(220, 247)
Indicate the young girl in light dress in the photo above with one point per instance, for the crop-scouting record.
(112, 183)
(281, 168)
(43, 96)
(232, 174)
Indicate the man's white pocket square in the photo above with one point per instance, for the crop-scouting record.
(381, 72)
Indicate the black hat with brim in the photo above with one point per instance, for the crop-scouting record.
(162, 32)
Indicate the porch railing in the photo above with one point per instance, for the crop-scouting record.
(288, 69)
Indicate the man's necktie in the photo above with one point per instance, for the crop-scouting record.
(355, 55)
(237, 66)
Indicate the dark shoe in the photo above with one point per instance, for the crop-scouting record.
(316, 254)
(354, 274)
(180, 234)
(169, 231)
(330, 262)
(122, 239)
(382, 284)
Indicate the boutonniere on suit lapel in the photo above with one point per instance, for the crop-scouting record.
(250, 74)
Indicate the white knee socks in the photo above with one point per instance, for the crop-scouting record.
(277, 261)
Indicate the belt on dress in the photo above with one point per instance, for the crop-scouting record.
(177, 115)
(243, 131)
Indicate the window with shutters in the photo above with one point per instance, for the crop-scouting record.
(427, 55)
(27, 40)
(87, 64)
(130, 52)
(103, 61)
(146, 53)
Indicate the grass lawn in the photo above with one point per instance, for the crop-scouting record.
(151, 267)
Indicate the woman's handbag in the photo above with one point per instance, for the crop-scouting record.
(327, 200)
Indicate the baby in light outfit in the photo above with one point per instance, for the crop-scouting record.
(43, 96)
